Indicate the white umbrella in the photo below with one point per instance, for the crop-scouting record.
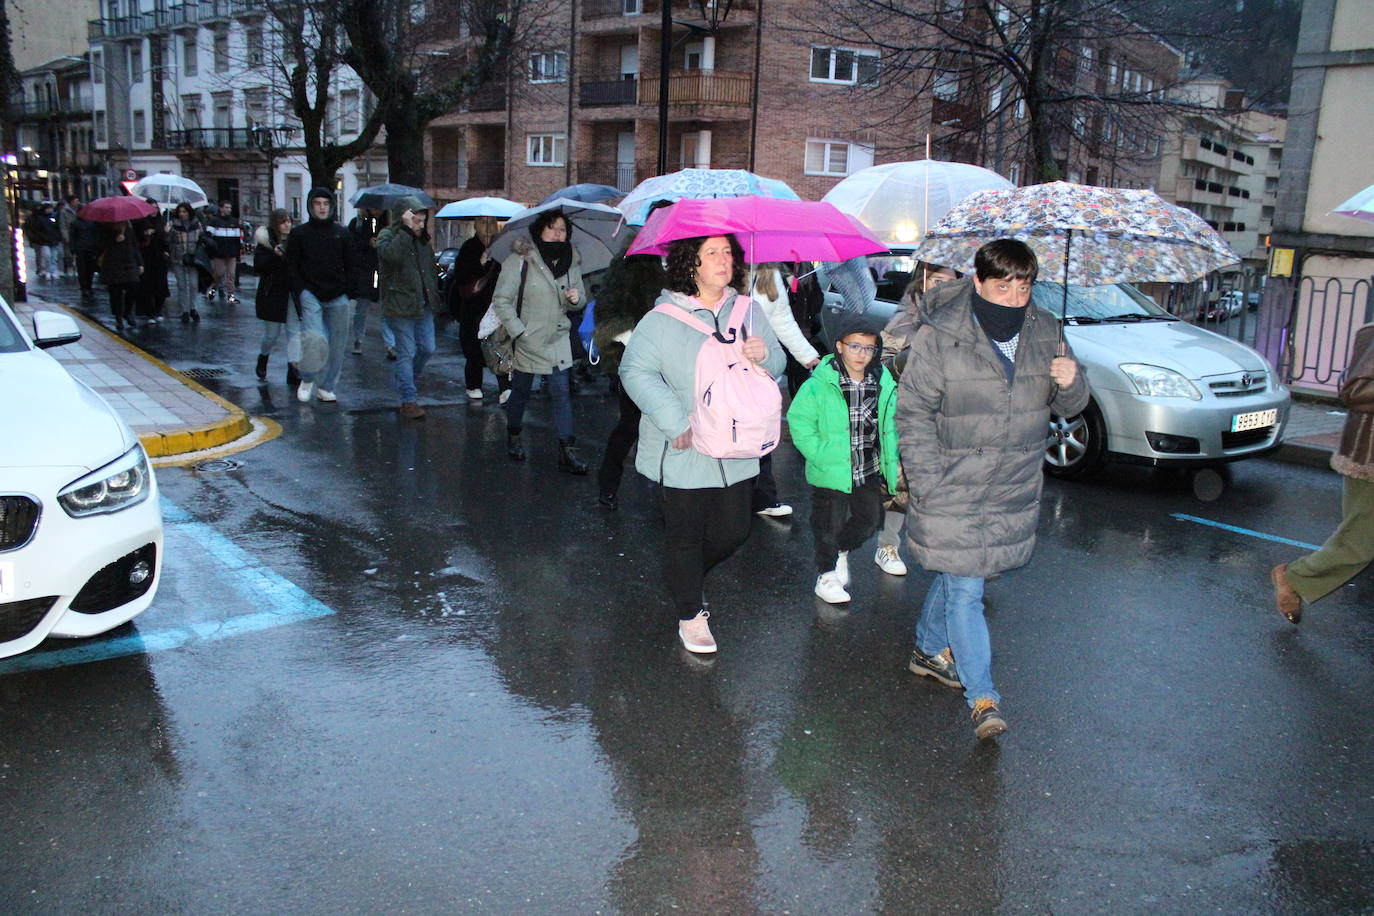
(595, 231)
(473, 207)
(900, 201)
(169, 190)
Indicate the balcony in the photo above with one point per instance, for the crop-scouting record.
(701, 87)
(173, 17)
(219, 138)
(55, 109)
(690, 9)
(618, 91)
(622, 175)
(491, 97)
(89, 162)
(487, 175)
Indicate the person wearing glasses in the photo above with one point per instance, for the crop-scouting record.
(844, 422)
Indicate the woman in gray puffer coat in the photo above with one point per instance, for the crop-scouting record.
(973, 413)
(540, 282)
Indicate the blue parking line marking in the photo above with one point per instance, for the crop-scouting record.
(1246, 531)
(288, 603)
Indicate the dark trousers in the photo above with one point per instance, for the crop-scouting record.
(621, 440)
(123, 298)
(469, 317)
(85, 271)
(765, 487)
(843, 521)
(702, 528)
(559, 392)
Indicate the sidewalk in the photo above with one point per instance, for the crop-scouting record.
(171, 414)
(174, 416)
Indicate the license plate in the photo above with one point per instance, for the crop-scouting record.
(1255, 419)
(7, 580)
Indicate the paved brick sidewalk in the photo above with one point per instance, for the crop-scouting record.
(170, 413)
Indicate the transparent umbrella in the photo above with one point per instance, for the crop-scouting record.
(170, 190)
(900, 201)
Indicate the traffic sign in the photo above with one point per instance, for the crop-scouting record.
(130, 175)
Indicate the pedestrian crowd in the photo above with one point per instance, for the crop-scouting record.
(928, 432)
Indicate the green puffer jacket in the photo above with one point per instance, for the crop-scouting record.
(973, 443)
(405, 262)
(818, 421)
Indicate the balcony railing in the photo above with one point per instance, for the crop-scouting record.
(42, 109)
(701, 87)
(619, 91)
(171, 17)
(622, 175)
(219, 138)
(479, 174)
(596, 9)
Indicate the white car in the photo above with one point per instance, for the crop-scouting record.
(80, 519)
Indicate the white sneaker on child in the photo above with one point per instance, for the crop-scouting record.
(829, 589)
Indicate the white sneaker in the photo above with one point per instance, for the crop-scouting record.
(326, 396)
(696, 634)
(474, 394)
(829, 589)
(304, 392)
(777, 510)
(889, 562)
(842, 568)
(504, 397)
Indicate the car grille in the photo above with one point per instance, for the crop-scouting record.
(18, 618)
(110, 587)
(1248, 437)
(1237, 384)
(18, 519)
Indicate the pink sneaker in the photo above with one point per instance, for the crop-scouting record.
(696, 634)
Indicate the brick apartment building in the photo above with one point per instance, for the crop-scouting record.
(752, 90)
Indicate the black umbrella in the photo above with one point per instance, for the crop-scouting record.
(382, 196)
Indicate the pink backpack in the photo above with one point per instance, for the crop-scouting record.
(736, 406)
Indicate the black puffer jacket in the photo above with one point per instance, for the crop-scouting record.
(274, 287)
(320, 255)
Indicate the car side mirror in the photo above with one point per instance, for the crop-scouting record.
(53, 329)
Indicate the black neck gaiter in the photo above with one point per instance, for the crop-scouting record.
(999, 322)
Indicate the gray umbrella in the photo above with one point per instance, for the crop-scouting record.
(382, 196)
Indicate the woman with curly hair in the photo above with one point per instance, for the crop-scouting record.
(706, 501)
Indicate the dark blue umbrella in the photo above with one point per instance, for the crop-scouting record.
(382, 196)
(587, 193)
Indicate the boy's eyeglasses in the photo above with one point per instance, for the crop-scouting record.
(860, 349)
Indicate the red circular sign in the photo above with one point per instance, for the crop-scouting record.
(130, 175)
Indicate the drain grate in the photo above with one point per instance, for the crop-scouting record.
(205, 373)
(219, 465)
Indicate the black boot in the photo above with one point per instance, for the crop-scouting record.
(514, 447)
(262, 365)
(293, 378)
(567, 458)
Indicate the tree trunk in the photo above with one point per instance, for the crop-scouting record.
(405, 144)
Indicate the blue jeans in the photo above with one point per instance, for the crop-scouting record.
(330, 318)
(414, 346)
(952, 616)
(360, 309)
(520, 384)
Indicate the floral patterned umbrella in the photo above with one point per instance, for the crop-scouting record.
(1083, 235)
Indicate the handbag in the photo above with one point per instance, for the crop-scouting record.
(471, 289)
(498, 347)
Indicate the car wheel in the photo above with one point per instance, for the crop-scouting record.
(1078, 445)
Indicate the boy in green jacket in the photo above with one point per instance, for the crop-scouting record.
(843, 421)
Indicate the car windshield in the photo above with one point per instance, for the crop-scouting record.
(11, 341)
(892, 273)
(1092, 304)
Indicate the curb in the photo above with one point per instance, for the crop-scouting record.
(186, 439)
(1299, 452)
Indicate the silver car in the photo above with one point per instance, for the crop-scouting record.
(1164, 392)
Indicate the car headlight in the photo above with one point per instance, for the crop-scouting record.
(1158, 382)
(122, 483)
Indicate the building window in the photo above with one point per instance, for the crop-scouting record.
(836, 157)
(843, 65)
(548, 66)
(191, 108)
(945, 85)
(349, 112)
(630, 7)
(253, 43)
(190, 54)
(97, 68)
(255, 106)
(140, 127)
(136, 63)
(221, 51)
(100, 128)
(546, 149)
(1014, 173)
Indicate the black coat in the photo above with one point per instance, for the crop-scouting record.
(320, 258)
(363, 230)
(274, 286)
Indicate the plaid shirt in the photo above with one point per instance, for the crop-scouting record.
(863, 423)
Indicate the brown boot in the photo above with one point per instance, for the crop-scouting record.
(411, 411)
(1288, 601)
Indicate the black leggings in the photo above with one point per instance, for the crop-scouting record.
(843, 521)
(703, 528)
(123, 298)
(621, 440)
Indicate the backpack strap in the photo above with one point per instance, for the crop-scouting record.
(692, 321)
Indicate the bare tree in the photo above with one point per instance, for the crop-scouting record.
(422, 60)
(1009, 81)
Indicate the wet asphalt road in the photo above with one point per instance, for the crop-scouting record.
(487, 710)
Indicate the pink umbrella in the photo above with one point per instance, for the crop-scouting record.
(768, 228)
(116, 209)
